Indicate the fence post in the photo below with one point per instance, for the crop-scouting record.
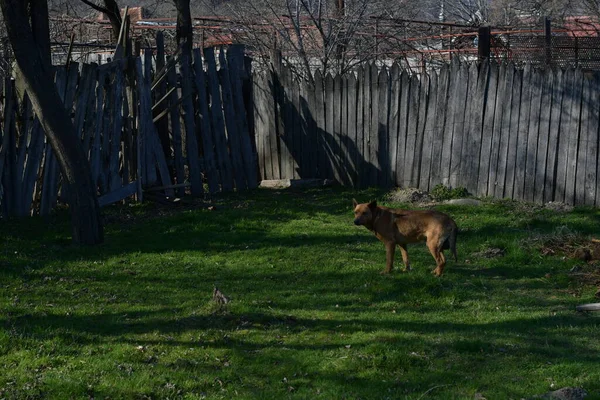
(483, 43)
(548, 39)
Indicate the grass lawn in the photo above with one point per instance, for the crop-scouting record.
(309, 317)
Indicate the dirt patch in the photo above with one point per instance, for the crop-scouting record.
(491, 252)
(409, 195)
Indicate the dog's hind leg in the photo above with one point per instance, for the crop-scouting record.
(436, 251)
(405, 260)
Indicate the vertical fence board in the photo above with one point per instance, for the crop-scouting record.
(591, 176)
(218, 125)
(524, 118)
(551, 175)
(336, 125)
(573, 138)
(115, 181)
(454, 83)
(49, 185)
(284, 125)
(311, 134)
(238, 75)
(259, 93)
(329, 133)
(437, 146)
(428, 133)
(204, 127)
(513, 135)
(411, 131)
(499, 109)
(320, 124)
(189, 123)
(487, 130)
(367, 104)
(545, 113)
(394, 115)
(233, 127)
(563, 136)
(176, 131)
(584, 143)
(345, 154)
(352, 130)
(383, 111)
(464, 86)
(360, 128)
(533, 131)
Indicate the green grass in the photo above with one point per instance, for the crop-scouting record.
(310, 316)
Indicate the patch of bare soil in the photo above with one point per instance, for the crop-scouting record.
(580, 248)
(409, 195)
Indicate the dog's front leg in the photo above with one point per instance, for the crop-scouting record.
(390, 249)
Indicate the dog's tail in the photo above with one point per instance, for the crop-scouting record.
(450, 242)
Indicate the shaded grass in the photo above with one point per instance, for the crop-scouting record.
(310, 315)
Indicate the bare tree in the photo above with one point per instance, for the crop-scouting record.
(110, 8)
(29, 37)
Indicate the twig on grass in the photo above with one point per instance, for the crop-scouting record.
(432, 388)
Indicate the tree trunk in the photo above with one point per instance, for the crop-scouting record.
(184, 31)
(37, 77)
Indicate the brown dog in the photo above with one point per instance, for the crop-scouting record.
(400, 227)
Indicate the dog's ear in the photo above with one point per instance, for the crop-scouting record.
(354, 203)
(373, 204)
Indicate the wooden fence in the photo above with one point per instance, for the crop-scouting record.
(496, 130)
(180, 124)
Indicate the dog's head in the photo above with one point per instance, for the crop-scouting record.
(364, 212)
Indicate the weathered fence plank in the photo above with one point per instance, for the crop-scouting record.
(352, 124)
(336, 108)
(544, 133)
(321, 141)
(328, 132)
(233, 133)
(437, 147)
(533, 129)
(366, 127)
(591, 165)
(513, 133)
(238, 73)
(189, 123)
(460, 96)
(206, 132)
(382, 152)
(563, 137)
(176, 132)
(428, 133)
(411, 132)
(218, 124)
(490, 95)
(551, 176)
(586, 140)
(394, 116)
(522, 136)
(573, 137)
(361, 165)
(114, 179)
